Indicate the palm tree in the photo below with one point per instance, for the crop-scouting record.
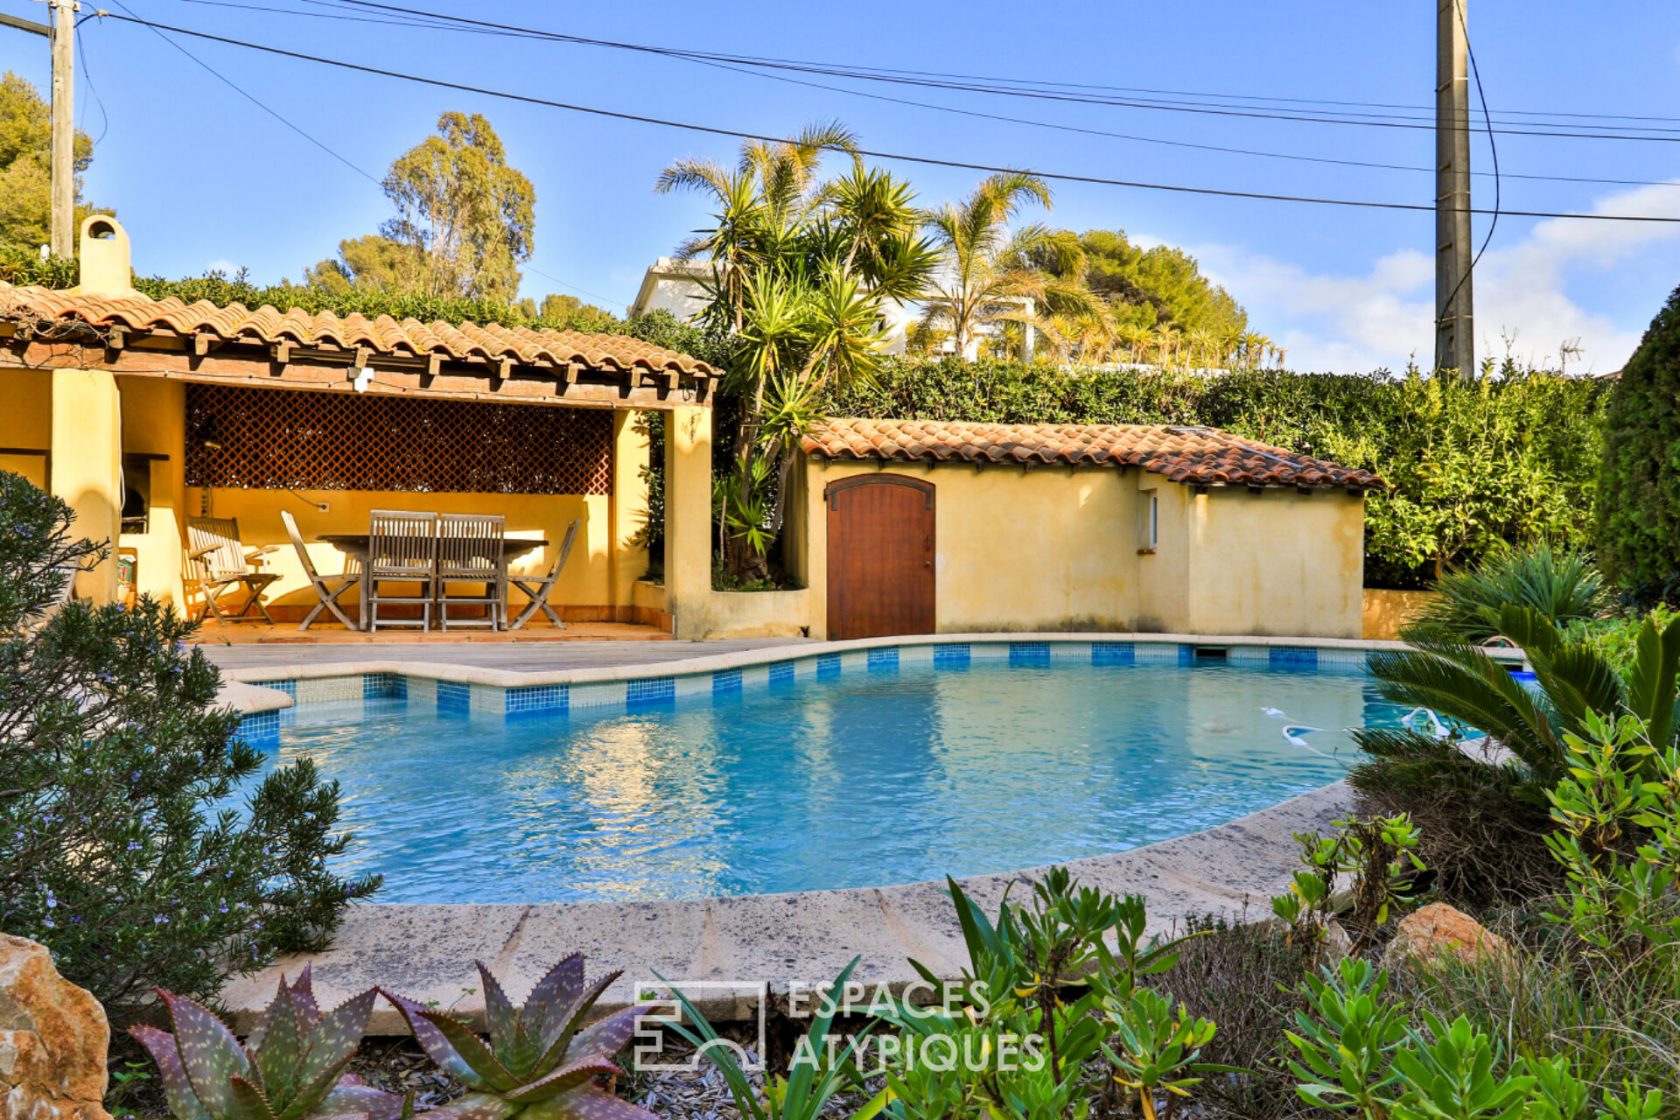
(1253, 347)
(1137, 340)
(801, 273)
(1462, 683)
(1165, 341)
(760, 204)
(992, 276)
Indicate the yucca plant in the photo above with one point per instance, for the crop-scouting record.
(290, 1068)
(541, 1062)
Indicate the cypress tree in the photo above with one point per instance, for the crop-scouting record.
(1639, 484)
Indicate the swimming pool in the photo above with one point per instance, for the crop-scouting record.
(817, 774)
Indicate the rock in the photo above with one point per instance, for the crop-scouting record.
(53, 1040)
(1439, 930)
(1337, 946)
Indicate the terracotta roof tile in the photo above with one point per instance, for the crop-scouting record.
(382, 335)
(1196, 456)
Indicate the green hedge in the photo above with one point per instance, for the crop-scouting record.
(1470, 466)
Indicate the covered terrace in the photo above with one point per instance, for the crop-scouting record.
(142, 413)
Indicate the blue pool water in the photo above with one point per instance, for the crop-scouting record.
(863, 780)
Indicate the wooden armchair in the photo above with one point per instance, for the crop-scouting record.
(217, 560)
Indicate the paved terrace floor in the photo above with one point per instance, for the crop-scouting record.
(524, 656)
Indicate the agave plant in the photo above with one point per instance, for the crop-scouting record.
(290, 1068)
(540, 1062)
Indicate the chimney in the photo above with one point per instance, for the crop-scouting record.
(105, 258)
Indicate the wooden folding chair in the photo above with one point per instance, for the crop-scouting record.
(537, 590)
(470, 552)
(327, 588)
(217, 561)
(402, 548)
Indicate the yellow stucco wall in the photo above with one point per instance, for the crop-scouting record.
(688, 520)
(1163, 604)
(1276, 562)
(86, 469)
(26, 422)
(1059, 549)
(1047, 549)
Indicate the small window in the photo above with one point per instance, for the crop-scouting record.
(1149, 522)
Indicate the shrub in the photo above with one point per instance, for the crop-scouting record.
(1244, 978)
(1483, 818)
(1563, 586)
(1639, 489)
(1470, 466)
(121, 847)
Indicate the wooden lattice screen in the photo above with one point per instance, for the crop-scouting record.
(270, 439)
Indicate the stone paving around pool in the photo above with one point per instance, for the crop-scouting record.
(802, 939)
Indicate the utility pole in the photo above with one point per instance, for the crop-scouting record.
(63, 128)
(1455, 331)
(61, 36)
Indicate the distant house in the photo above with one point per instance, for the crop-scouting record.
(672, 285)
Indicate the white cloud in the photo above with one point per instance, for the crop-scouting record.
(1384, 317)
(222, 264)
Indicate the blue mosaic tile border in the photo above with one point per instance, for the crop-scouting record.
(339, 697)
(260, 730)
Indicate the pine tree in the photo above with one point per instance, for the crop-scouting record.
(1639, 486)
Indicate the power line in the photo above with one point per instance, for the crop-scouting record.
(158, 30)
(908, 78)
(931, 161)
(259, 103)
(1219, 148)
(862, 70)
(956, 110)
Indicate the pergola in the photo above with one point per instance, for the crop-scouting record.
(296, 400)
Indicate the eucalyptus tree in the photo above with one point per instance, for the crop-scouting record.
(801, 272)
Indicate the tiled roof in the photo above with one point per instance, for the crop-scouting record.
(381, 335)
(1196, 456)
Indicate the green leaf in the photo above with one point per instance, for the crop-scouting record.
(486, 1071)
(1654, 680)
(564, 1079)
(333, 1042)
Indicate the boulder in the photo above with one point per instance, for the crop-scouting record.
(1438, 930)
(53, 1040)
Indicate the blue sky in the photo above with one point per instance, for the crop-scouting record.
(203, 178)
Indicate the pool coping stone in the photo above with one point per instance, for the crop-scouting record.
(426, 952)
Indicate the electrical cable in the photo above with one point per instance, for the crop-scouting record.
(295, 127)
(931, 161)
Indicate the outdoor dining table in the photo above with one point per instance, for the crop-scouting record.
(355, 546)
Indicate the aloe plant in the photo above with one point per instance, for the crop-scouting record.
(290, 1068)
(540, 1062)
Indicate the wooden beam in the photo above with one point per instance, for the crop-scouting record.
(282, 354)
(237, 364)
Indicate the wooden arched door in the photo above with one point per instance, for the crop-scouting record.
(880, 556)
